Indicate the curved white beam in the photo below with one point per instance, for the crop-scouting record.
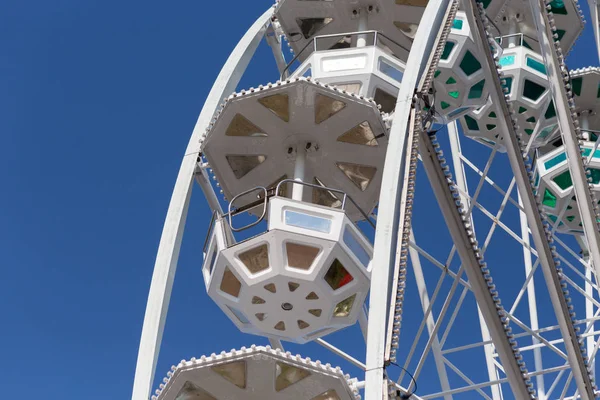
(388, 214)
(170, 241)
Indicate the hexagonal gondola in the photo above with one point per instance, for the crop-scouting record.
(258, 137)
(555, 186)
(529, 93)
(255, 373)
(553, 178)
(305, 277)
(459, 79)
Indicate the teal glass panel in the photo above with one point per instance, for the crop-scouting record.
(508, 84)
(546, 131)
(587, 152)
(532, 90)
(535, 64)
(595, 174)
(506, 61)
(563, 180)
(471, 123)
(558, 7)
(554, 161)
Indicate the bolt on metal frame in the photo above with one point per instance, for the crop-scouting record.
(386, 235)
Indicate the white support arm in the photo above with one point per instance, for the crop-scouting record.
(481, 285)
(170, 242)
(275, 44)
(569, 137)
(386, 234)
(461, 182)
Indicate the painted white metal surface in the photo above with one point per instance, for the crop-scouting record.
(168, 250)
(386, 235)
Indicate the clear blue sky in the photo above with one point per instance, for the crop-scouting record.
(97, 100)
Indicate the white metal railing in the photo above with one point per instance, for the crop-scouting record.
(264, 195)
(374, 36)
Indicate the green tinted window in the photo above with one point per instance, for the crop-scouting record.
(563, 180)
(471, 123)
(470, 64)
(506, 60)
(477, 90)
(549, 199)
(535, 64)
(447, 50)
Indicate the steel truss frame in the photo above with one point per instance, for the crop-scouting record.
(542, 236)
(540, 344)
(501, 354)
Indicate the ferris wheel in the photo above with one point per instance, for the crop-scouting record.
(425, 170)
